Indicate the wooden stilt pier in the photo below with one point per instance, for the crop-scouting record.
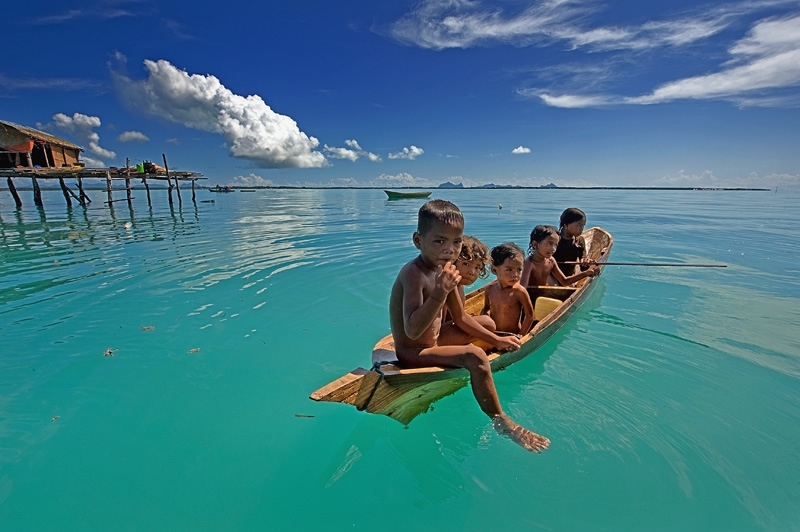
(107, 175)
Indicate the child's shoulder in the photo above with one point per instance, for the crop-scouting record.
(411, 269)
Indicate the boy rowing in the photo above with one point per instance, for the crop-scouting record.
(422, 289)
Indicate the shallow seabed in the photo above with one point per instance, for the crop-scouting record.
(672, 399)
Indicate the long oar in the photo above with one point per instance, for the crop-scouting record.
(656, 264)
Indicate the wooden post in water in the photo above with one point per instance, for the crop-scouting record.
(37, 193)
(147, 188)
(169, 181)
(65, 191)
(177, 187)
(193, 198)
(108, 185)
(13, 190)
(128, 178)
(84, 198)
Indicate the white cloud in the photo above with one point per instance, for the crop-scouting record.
(341, 153)
(351, 153)
(174, 141)
(708, 179)
(82, 127)
(91, 162)
(572, 101)
(402, 179)
(132, 136)
(768, 59)
(519, 150)
(441, 24)
(251, 128)
(62, 84)
(251, 180)
(407, 153)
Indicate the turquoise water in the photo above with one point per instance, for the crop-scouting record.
(672, 399)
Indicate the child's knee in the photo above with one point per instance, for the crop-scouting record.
(477, 359)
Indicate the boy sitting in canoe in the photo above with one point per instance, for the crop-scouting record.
(416, 307)
(505, 300)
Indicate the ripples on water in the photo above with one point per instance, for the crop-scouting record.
(670, 398)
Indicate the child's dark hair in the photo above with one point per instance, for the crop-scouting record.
(506, 251)
(440, 211)
(571, 215)
(539, 233)
(473, 249)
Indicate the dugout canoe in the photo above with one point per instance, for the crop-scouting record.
(403, 394)
(392, 195)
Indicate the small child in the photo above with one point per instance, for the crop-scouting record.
(571, 246)
(420, 292)
(506, 301)
(540, 264)
(471, 265)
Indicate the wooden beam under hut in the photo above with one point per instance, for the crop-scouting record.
(37, 193)
(64, 191)
(14, 193)
(84, 198)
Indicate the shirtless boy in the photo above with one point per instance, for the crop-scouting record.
(416, 306)
(505, 299)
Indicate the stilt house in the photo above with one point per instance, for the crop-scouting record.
(22, 147)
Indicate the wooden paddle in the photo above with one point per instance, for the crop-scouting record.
(655, 264)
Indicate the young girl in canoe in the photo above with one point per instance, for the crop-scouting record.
(571, 245)
(472, 265)
(506, 301)
(540, 264)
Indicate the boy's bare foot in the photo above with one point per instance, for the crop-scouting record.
(519, 434)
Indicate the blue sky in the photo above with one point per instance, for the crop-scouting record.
(389, 94)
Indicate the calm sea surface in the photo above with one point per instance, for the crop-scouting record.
(672, 399)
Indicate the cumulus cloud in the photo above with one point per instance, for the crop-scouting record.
(82, 128)
(252, 130)
(352, 152)
(91, 162)
(765, 61)
(410, 153)
(251, 180)
(519, 150)
(132, 136)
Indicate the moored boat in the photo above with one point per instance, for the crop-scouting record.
(220, 188)
(404, 393)
(393, 195)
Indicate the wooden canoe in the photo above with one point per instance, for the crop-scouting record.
(405, 195)
(403, 394)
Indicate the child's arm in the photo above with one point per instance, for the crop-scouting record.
(566, 281)
(527, 308)
(419, 312)
(527, 266)
(486, 305)
(469, 325)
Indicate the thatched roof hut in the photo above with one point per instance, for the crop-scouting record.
(22, 146)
